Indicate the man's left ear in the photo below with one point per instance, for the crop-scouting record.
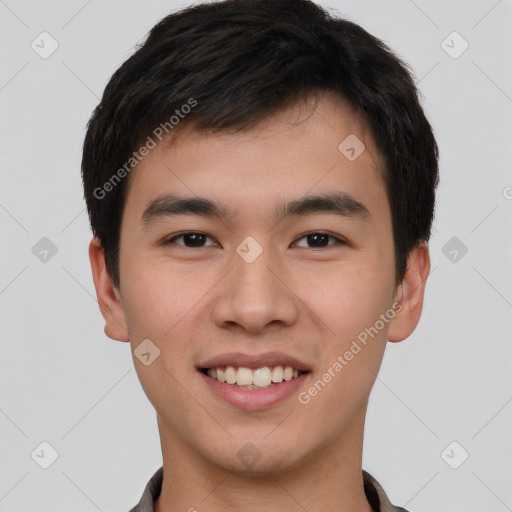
(409, 294)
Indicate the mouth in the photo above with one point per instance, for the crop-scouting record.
(253, 382)
(248, 378)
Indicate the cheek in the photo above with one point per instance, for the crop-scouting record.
(348, 298)
(160, 297)
(350, 303)
(354, 344)
(159, 308)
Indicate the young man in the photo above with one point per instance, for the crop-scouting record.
(260, 179)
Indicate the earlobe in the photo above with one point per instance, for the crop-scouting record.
(410, 293)
(109, 298)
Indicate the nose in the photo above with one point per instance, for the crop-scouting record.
(255, 295)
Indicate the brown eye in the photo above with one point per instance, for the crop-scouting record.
(190, 239)
(319, 240)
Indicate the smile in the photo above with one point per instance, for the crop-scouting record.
(254, 381)
(256, 378)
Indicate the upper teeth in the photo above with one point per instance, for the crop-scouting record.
(259, 377)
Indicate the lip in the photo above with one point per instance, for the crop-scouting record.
(239, 359)
(254, 399)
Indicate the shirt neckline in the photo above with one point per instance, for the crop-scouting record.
(375, 494)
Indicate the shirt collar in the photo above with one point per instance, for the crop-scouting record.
(374, 493)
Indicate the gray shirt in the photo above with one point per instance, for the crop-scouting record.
(374, 493)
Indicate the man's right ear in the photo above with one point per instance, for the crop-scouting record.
(109, 299)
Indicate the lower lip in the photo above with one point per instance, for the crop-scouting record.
(254, 399)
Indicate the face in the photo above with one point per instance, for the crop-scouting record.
(288, 261)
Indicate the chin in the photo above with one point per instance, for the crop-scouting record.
(258, 457)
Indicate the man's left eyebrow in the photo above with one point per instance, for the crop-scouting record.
(338, 203)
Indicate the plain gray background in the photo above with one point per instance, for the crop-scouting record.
(63, 382)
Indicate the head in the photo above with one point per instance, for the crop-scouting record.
(255, 109)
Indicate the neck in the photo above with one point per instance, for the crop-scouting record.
(329, 480)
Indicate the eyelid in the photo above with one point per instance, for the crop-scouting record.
(340, 240)
(169, 240)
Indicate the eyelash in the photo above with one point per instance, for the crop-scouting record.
(339, 240)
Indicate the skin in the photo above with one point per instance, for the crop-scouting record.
(305, 301)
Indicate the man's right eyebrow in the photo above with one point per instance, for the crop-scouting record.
(169, 205)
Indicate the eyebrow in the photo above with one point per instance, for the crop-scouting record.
(337, 203)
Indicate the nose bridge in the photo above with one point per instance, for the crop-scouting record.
(254, 284)
(252, 296)
(253, 277)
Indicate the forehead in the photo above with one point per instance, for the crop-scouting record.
(312, 146)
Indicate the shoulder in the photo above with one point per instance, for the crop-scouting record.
(151, 493)
(376, 495)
